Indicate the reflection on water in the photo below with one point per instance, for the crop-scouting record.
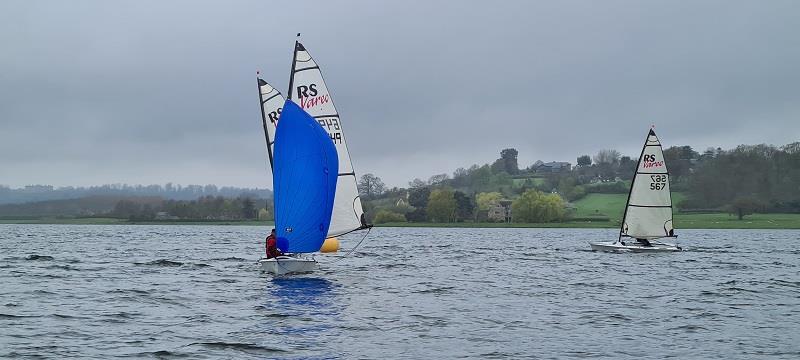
(298, 302)
(297, 295)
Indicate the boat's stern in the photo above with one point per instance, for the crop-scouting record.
(288, 265)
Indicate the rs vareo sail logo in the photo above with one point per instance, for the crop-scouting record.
(310, 97)
(650, 161)
(274, 116)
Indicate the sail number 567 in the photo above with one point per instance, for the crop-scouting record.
(658, 182)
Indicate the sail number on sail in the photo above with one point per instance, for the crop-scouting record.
(658, 182)
(331, 125)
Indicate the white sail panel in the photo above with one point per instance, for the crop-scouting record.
(308, 90)
(648, 213)
(648, 223)
(271, 106)
(650, 190)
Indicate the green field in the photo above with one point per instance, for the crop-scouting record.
(727, 221)
(610, 205)
(613, 205)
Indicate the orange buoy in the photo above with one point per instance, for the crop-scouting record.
(330, 245)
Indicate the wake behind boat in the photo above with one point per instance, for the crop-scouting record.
(648, 211)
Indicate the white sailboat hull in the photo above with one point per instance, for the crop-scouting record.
(288, 265)
(613, 246)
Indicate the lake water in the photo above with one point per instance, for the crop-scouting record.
(196, 292)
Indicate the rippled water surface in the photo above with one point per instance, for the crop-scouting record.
(195, 292)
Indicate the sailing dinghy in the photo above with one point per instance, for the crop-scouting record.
(648, 212)
(308, 90)
(304, 176)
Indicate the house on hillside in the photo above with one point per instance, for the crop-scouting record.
(551, 167)
(163, 215)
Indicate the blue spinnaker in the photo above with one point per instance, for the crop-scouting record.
(304, 175)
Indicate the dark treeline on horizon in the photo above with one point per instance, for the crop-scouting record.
(33, 193)
(204, 208)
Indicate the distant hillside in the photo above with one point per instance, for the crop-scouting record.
(87, 206)
(34, 193)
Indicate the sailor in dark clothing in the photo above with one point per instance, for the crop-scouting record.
(643, 242)
(272, 246)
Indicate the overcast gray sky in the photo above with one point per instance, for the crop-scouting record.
(95, 92)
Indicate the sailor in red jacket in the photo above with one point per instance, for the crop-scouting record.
(272, 246)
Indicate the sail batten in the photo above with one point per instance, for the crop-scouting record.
(648, 210)
(307, 89)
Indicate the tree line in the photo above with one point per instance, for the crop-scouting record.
(204, 208)
(746, 179)
(34, 193)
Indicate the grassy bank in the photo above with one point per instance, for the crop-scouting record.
(682, 221)
(569, 224)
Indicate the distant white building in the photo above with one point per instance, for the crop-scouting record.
(163, 215)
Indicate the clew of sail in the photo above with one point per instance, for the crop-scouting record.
(271, 106)
(308, 90)
(304, 177)
(648, 214)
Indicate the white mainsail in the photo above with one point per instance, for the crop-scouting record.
(648, 214)
(307, 89)
(271, 105)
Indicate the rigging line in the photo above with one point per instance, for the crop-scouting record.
(354, 248)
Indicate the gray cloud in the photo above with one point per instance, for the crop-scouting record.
(150, 92)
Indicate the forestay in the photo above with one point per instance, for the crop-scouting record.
(271, 106)
(648, 214)
(307, 89)
(304, 177)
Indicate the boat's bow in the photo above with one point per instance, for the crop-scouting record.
(615, 246)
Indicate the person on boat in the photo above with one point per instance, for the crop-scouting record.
(644, 242)
(272, 246)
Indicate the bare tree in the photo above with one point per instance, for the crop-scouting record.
(607, 156)
(371, 185)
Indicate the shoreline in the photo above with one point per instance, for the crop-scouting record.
(682, 221)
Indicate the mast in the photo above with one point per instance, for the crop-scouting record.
(633, 179)
(261, 102)
(294, 64)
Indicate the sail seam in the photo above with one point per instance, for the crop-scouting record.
(304, 69)
(270, 98)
